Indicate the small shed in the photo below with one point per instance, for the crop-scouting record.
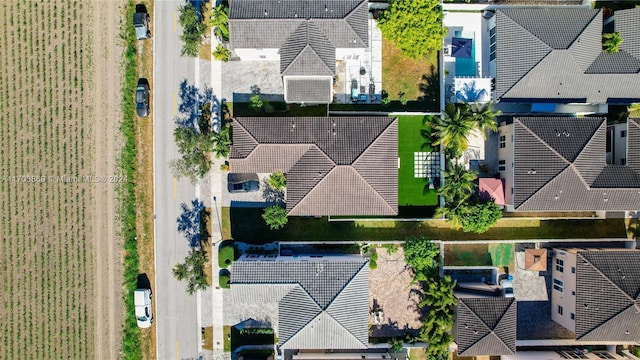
(535, 259)
(492, 189)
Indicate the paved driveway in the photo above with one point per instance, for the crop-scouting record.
(261, 198)
(239, 76)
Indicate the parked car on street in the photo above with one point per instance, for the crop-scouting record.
(142, 98)
(141, 24)
(238, 183)
(144, 312)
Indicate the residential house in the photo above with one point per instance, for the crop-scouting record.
(554, 55)
(334, 165)
(312, 302)
(596, 294)
(570, 164)
(306, 36)
(485, 326)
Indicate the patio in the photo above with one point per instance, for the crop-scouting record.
(465, 62)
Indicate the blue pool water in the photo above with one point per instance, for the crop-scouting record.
(466, 67)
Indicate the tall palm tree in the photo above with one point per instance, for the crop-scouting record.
(484, 117)
(459, 184)
(454, 129)
(220, 22)
(222, 142)
(611, 42)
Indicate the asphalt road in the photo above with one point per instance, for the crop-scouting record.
(176, 311)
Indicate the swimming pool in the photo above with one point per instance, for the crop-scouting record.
(466, 67)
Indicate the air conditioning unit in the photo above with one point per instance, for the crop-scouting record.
(447, 50)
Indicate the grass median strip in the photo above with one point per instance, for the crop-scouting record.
(127, 191)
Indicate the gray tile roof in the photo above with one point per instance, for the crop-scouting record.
(556, 54)
(334, 165)
(344, 22)
(560, 165)
(486, 326)
(327, 308)
(608, 295)
(312, 90)
(307, 52)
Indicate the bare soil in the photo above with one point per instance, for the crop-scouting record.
(60, 280)
(392, 291)
(107, 55)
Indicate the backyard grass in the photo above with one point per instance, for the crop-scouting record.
(467, 255)
(501, 254)
(248, 226)
(224, 279)
(402, 74)
(412, 191)
(225, 224)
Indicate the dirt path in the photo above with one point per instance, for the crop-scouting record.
(107, 54)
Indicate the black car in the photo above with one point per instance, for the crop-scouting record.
(142, 98)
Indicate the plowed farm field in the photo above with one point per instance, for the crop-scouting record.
(60, 285)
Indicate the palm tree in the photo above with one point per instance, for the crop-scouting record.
(454, 129)
(485, 117)
(470, 94)
(221, 53)
(458, 186)
(220, 22)
(611, 42)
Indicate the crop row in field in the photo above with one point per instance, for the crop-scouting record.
(45, 131)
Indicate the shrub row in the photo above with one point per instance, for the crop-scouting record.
(126, 191)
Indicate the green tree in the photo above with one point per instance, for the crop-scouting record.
(192, 270)
(414, 26)
(192, 30)
(480, 217)
(634, 110)
(221, 53)
(422, 256)
(438, 296)
(222, 142)
(194, 148)
(484, 117)
(220, 22)
(453, 130)
(459, 184)
(256, 102)
(275, 216)
(611, 42)
(278, 180)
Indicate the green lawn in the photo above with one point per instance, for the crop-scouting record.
(412, 191)
(226, 255)
(248, 226)
(226, 330)
(402, 74)
(501, 254)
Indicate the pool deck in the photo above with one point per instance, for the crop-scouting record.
(469, 25)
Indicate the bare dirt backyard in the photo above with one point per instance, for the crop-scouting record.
(391, 291)
(60, 99)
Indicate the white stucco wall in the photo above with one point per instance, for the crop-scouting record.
(506, 154)
(258, 54)
(566, 298)
(619, 143)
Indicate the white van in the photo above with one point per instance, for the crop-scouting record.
(144, 313)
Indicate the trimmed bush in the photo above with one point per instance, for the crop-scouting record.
(226, 255)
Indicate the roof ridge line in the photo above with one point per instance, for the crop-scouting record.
(310, 320)
(544, 142)
(547, 184)
(537, 63)
(347, 283)
(257, 143)
(321, 180)
(371, 186)
(592, 138)
(395, 119)
(607, 278)
(349, 14)
(318, 55)
(585, 27)
(491, 332)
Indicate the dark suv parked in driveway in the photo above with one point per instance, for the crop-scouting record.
(142, 98)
